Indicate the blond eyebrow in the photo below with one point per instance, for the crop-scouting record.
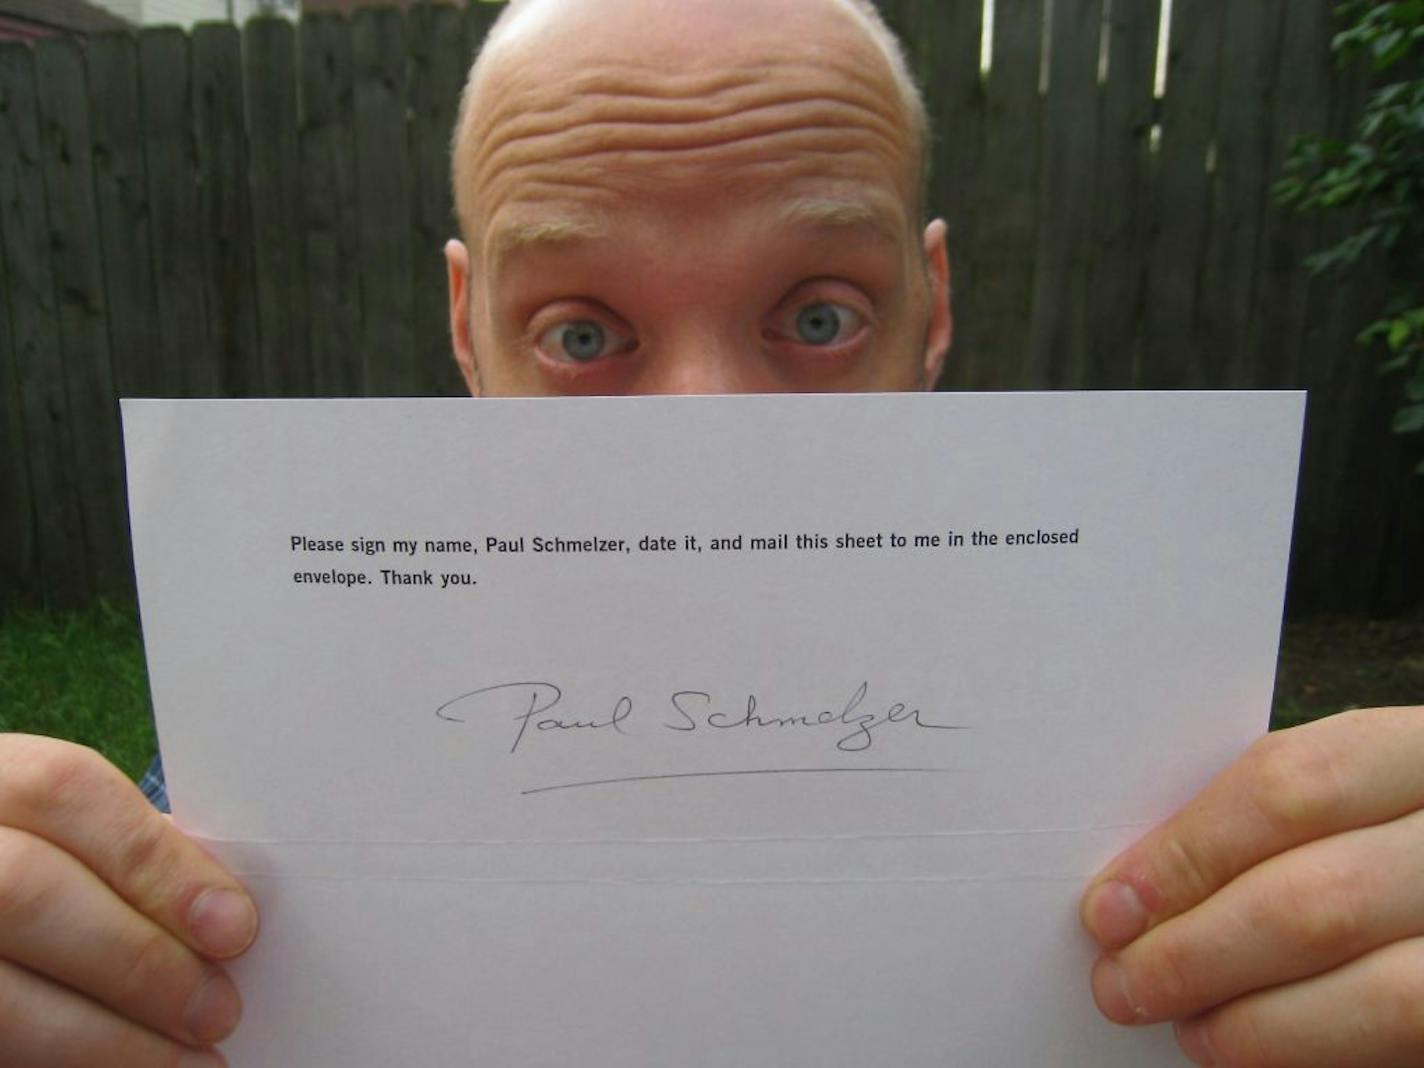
(843, 212)
(534, 233)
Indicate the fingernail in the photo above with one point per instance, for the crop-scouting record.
(214, 1009)
(1195, 1044)
(1115, 914)
(223, 922)
(1111, 993)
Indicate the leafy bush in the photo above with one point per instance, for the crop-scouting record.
(1380, 173)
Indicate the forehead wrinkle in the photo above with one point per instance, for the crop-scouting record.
(624, 113)
(634, 96)
(830, 157)
(675, 48)
(617, 120)
(624, 149)
(744, 172)
(805, 139)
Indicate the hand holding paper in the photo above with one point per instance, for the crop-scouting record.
(109, 917)
(1321, 881)
(837, 764)
(1281, 903)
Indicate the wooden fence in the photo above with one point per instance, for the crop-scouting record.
(261, 212)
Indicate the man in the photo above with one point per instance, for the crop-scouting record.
(713, 196)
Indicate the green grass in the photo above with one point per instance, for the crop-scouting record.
(81, 676)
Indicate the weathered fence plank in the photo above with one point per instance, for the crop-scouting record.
(1285, 291)
(330, 211)
(1399, 569)
(945, 41)
(1372, 501)
(1057, 352)
(225, 202)
(19, 569)
(1300, 94)
(1181, 206)
(1241, 180)
(124, 213)
(66, 158)
(1340, 378)
(1126, 112)
(1006, 234)
(383, 183)
(1371, 465)
(269, 56)
(63, 565)
(188, 362)
(438, 66)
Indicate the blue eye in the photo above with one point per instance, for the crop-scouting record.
(823, 323)
(581, 340)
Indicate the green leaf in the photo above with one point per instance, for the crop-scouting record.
(1399, 333)
(1373, 184)
(1372, 333)
(1409, 419)
(1386, 48)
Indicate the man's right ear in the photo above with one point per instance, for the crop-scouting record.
(940, 332)
(457, 263)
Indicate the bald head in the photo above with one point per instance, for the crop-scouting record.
(693, 196)
(662, 46)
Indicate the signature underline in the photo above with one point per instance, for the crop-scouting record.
(750, 771)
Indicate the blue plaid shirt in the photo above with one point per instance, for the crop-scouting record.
(153, 786)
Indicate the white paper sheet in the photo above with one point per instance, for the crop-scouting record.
(784, 804)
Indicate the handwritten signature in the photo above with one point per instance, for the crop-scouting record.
(687, 711)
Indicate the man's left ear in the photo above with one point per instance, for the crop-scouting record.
(941, 325)
(457, 263)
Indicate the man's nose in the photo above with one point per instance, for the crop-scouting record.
(705, 365)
